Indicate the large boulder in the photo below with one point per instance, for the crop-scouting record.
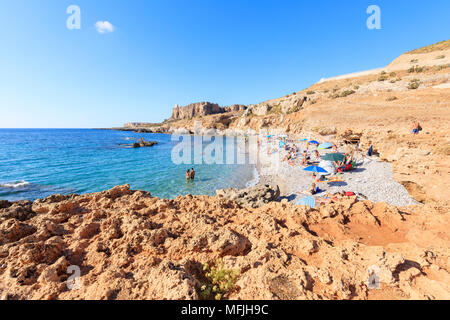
(253, 197)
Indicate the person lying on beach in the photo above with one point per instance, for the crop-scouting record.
(192, 174)
(416, 128)
(188, 174)
(328, 198)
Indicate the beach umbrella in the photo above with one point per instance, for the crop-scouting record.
(315, 169)
(307, 201)
(333, 157)
(270, 136)
(326, 145)
(304, 140)
(314, 142)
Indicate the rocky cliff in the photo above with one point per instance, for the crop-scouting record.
(201, 109)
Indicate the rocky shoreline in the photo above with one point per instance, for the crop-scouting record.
(130, 245)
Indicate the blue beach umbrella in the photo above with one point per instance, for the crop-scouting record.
(307, 201)
(304, 140)
(314, 142)
(326, 145)
(315, 169)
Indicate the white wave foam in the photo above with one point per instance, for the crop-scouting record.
(16, 184)
(255, 179)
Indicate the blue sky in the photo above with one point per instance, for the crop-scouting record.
(164, 52)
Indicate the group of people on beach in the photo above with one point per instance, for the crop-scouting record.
(190, 174)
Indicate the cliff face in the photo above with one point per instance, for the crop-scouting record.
(202, 109)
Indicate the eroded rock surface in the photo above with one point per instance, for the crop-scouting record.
(130, 245)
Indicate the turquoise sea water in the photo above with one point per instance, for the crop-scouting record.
(36, 163)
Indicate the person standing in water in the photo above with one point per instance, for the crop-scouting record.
(192, 174)
(188, 174)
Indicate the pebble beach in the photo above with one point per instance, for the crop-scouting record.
(372, 179)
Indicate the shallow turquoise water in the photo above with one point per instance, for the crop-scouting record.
(35, 163)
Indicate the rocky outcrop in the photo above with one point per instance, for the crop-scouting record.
(202, 109)
(143, 143)
(129, 245)
(195, 110)
(253, 197)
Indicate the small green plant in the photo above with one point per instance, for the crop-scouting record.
(414, 60)
(383, 72)
(382, 78)
(334, 96)
(414, 84)
(391, 98)
(392, 74)
(440, 57)
(416, 69)
(218, 281)
(326, 91)
(347, 93)
(310, 92)
(313, 101)
(356, 87)
(442, 67)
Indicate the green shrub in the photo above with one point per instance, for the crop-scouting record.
(310, 92)
(347, 93)
(334, 96)
(218, 281)
(414, 61)
(416, 69)
(383, 72)
(414, 84)
(382, 78)
(443, 66)
(392, 74)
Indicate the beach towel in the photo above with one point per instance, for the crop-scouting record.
(307, 201)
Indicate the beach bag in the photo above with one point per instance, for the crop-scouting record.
(370, 152)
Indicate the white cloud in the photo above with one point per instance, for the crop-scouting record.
(104, 27)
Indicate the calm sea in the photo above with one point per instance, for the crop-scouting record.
(36, 163)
